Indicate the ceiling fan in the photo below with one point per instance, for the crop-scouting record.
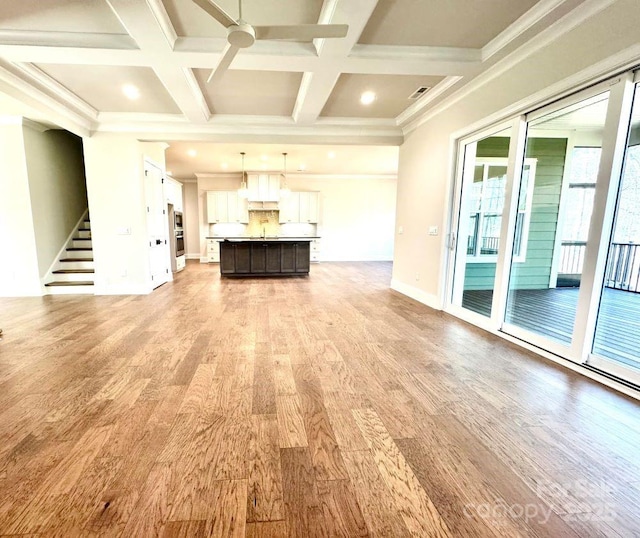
(240, 34)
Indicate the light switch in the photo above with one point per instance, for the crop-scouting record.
(433, 230)
(124, 231)
(400, 229)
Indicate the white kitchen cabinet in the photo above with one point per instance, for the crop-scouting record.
(300, 207)
(226, 206)
(263, 187)
(213, 251)
(309, 202)
(173, 193)
(289, 208)
(315, 250)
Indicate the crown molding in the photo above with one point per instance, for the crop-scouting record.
(38, 76)
(521, 25)
(562, 26)
(16, 87)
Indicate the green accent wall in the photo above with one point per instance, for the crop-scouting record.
(535, 271)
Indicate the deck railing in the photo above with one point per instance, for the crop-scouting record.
(623, 264)
(572, 257)
(623, 267)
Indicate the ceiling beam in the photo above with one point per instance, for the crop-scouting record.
(317, 86)
(149, 25)
(203, 53)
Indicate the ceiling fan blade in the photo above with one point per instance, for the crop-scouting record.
(301, 32)
(216, 12)
(227, 57)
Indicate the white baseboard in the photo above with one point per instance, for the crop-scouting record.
(192, 256)
(417, 294)
(203, 259)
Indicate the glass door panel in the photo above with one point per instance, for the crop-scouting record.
(484, 181)
(538, 300)
(617, 335)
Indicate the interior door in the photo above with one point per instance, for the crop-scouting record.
(156, 226)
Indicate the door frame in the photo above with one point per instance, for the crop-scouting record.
(167, 275)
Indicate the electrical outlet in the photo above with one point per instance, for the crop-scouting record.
(400, 229)
(417, 275)
(433, 230)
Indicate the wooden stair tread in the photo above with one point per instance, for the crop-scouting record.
(79, 248)
(76, 260)
(72, 271)
(71, 283)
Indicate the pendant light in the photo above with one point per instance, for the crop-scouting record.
(243, 191)
(284, 190)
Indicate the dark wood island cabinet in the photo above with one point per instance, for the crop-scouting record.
(265, 257)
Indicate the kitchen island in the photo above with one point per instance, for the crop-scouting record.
(265, 257)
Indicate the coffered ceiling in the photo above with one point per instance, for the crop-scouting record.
(68, 60)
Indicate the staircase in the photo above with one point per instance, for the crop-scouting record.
(73, 274)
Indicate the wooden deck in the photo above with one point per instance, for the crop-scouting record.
(329, 406)
(551, 313)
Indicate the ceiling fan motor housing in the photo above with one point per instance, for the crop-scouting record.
(241, 35)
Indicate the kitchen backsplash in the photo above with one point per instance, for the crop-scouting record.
(263, 221)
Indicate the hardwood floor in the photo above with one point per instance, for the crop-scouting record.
(319, 406)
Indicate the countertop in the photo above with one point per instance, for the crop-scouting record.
(268, 238)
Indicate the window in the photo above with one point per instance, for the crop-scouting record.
(487, 202)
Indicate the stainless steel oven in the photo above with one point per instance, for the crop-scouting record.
(179, 243)
(177, 220)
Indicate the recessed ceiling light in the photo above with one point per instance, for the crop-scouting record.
(224, 165)
(367, 98)
(331, 155)
(264, 158)
(131, 91)
(192, 153)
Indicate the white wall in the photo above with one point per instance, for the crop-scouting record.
(18, 258)
(356, 215)
(425, 169)
(58, 191)
(115, 186)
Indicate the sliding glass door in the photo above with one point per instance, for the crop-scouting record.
(616, 345)
(554, 215)
(546, 242)
(483, 183)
